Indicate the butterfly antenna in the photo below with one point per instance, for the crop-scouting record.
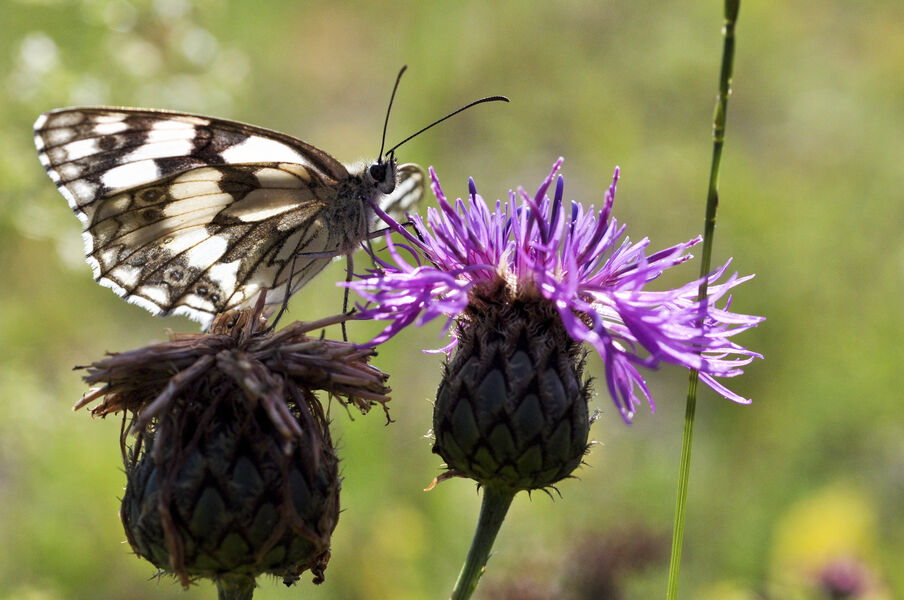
(451, 114)
(389, 109)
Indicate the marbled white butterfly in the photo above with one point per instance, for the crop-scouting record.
(187, 214)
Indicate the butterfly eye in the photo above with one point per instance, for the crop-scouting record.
(378, 171)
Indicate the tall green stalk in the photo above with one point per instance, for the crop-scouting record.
(495, 505)
(709, 227)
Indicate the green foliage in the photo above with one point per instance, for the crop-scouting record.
(810, 202)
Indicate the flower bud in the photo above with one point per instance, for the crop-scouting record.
(511, 410)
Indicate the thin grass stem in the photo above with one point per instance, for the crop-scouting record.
(709, 227)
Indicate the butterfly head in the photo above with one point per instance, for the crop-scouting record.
(383, 174)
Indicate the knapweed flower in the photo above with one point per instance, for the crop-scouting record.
(571, 257)
(526, 282)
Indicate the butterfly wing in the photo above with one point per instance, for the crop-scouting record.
(188, 214)
(210, 239)
(91, 152)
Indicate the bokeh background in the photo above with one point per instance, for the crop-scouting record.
(805, 483)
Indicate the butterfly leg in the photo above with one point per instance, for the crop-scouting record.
(350, 270)
(285, 302)
(349, 273)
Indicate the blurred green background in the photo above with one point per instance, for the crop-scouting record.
(810, 474)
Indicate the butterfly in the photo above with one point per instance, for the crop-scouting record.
(193, 215)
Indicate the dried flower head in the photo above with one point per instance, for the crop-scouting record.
(232, 472)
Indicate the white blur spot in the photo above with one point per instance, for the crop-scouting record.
(231, 65)
(89, 90)
(171, 9)
(199, 46)
(38, 53)
(136, 56)
(120, 15)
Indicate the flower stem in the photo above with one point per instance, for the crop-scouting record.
(495, 505)
(235, 587)
(709, 227)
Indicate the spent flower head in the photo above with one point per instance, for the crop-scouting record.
(233, 472)
(580, 263)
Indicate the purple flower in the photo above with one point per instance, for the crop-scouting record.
(580, 262)
(844, 578)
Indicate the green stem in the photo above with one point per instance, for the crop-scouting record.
(709, 227)
(235, 587)
(495, 505)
